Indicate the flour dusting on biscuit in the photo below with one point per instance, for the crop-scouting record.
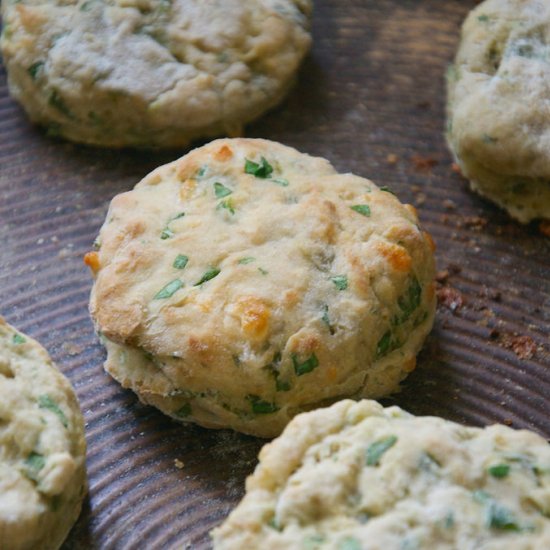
(247, 282)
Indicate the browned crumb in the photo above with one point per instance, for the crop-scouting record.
(442, 276)
(423, 164)
(456, 168)
(523, 346)
(450, 298)
(178, 463)
(473, 222)
(448, 204)
(391, 158)
(544, 228)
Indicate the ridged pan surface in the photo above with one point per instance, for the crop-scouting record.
(371, 99)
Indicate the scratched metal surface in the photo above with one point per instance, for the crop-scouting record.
(371, 99)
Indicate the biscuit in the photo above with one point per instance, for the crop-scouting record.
(498, 121)
(357, 476)
(151, 73)
(247, 282)
(42, 447)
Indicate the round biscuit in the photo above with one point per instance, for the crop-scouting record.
(42, 447)
(498, 120)
(151, 73)
(357, 476)
(247, 282)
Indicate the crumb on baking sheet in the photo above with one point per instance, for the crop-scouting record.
(178, 463)
(423, 164)
(450, 297)
(544, 228)
(523, 346)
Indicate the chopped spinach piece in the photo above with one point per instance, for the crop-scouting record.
(34, 69)
(340, 281)
(180, 262)
(378, 448)
(209, 274)
(261, 170)
(499, 470)
(247, 260)
(33, 464)
(261, 407)
(46, 402)
(221, 190)
(363, 209)
(306, 366)
(170, 289)
(184, 410)
(18, 339)
(167, 233)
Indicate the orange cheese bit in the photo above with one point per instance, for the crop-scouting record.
(254, 315)
(91, 259)
(409, 365)
(397, 256)
(223, 153)
(187, 188)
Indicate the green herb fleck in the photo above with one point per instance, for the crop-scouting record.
(33, 464)
(180, 262)
(498, 516)
(280, 181)
(167, 233)
(306, 366)
(260, 170)
(46, 402)
(34, 69)
(228, 205)
(340, 281)
(261, 407)
(449, 521)
(57, 102)
(409, 301)
(483, 18)
(349, 543)
(326, 319)
(384, 344)
(18, 339)
(170, 289)
(184, 410)
(363, 209)
(209, 274)
(221, 190)
(263, 271)
(201, 171)
(499, 470)
(247, 260)
(312, 542)
(386, 189)
(177, 216)
(378, 448)
(274, 525)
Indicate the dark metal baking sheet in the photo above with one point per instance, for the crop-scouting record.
(371, 99)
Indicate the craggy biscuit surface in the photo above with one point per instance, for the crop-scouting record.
(42, 447)
(151, 72)
(356, 476)
(247, 282)
(498, 117)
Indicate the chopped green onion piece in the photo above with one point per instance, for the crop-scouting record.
(409, 301)
(261, 407)
(210, 274)
(483, 18)
(363, 209)
(180, 262)
(378, 448)
(177, 216)
(46, 402)
(18, 339)
(34, 463)
(306, 366)
(260, 170)
(167, 233)
(221, 190)
(498, 516)
(263, 271)
(499, 470)
(34, 69)
(384, 344)
(184, 410)
(227, 204)
(247, 260)
(340, 281)
(201, 171)
(170, 289)
(326, 319)
(387, 189)
(349, 543)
